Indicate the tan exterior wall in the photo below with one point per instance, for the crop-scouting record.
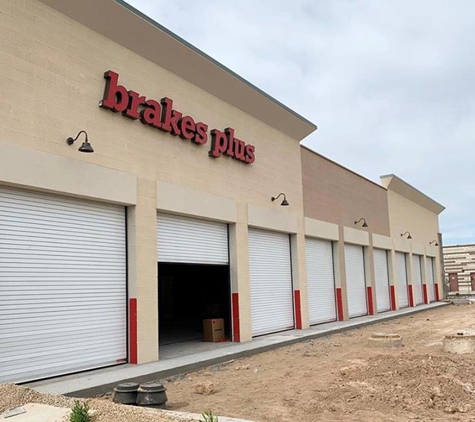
(421, 223)
(356, 237)
(382, 242)
(52, 80)
(337, 195)
(406, 215)
(321, 229)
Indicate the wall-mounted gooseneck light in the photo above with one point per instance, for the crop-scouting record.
(364, 222)
(284, 203)
(408, 235)
(85, 147)
(434, 242)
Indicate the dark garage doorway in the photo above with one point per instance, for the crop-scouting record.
(188, 294)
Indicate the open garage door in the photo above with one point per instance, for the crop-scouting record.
(193, 277)
(381, 273)
(320, 281)
(401, 274)
(355, 281)
(191, 240)
(271, 282)
(62, 285)
(417, 274)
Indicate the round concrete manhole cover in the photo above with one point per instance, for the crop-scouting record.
(387, 340)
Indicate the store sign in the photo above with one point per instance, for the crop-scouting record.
(161, 115)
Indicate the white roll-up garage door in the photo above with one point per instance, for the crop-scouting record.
(416, 271)
(355, 281)
(381, 273)
(191, 240)
(62, 285)
(401, 275)
(271, 282)
(320, 281)
(430, 278)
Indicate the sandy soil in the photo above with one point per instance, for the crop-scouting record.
(343, 378)
(337, 378)
(12, 396)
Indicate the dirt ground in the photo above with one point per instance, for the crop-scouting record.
(12, 396)
(342, 378)
(336, 378)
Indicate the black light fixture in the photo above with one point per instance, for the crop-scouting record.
(434, 242)
(364, 222)
(85, 147)
(284, 203)
(408, 235)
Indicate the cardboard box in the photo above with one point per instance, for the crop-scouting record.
(213, 330)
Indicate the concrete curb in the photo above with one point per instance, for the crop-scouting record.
(104, 380)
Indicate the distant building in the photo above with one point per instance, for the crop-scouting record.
(459, 263)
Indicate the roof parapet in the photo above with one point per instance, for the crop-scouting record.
(117, 21)
(394, 183)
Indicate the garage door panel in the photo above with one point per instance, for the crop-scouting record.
(38, 332)
(35, 247)
(320, 281)
(44, 349)
(57, 337)
(430, 278)
(10, 351)
(35, 218)
(60, 367)
(271, 282)
(355, 281)
(381, 273)
(417, 282)
(22, 233)
(42, 249)
(43, 203)
(46, 283)
(401, 279)
(190, 240)
(62, 285)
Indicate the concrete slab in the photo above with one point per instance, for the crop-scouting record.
(35, 412)
(100, 381)
(185, 416)
(461, 301)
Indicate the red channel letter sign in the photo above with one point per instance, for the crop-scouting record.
(161, 115)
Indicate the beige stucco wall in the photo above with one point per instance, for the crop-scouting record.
(335, 194)
(321, 229)
(406, 215)
(421, 223)
(52, 80)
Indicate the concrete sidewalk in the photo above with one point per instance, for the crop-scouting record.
(103, 380)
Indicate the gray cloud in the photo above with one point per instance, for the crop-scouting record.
(391, 84)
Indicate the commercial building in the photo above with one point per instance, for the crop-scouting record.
(459, 264)
(391, 263)
(170, 211)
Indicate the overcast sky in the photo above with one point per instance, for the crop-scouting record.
(390, 84)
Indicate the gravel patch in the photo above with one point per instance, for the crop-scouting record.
(12, 396)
